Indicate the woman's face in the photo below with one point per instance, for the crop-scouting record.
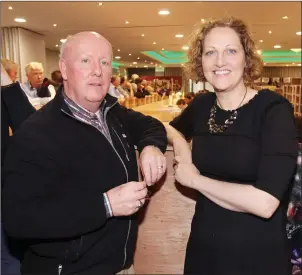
(223, 59)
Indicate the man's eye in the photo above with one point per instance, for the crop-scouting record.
(85, 60)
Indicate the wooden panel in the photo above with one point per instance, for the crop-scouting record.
(165, 224)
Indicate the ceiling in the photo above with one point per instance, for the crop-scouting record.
(110, 17)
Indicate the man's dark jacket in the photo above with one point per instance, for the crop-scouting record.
(55, 174)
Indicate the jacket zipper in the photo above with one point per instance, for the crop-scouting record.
(121, 143)
(60, 267)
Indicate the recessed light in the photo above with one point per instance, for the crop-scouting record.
(261, 41)
(57, 45)
(264, 63)
(127, 22)
(185, 48)
(117, 57)
(138, 58)
(270, 32)
(179, 35)
(134, 62)
(20, 20)
(130, 65)
(182, 64)
(10, 7)
(293, 63)
(100, 4)
(162, 49)
(54, 25)
(298, 33)
(299, 64)
(118, 50)
(154, 43)
(286, 65)
(297, 50)
(145, 66)
(129, 53)
(63, 40)
(202, 20)
(285, 17)
(277, 46)
(259, 52)
(163, 12)
(143, 35)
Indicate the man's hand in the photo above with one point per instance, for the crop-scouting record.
(153, 164)
(127, 198)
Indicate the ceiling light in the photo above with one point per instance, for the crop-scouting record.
(100, 4)
(277, 46)
(296, 50)
(259, 52)
(261, 41)
(285, 17)
(118, 50)
(130, 65)
(54, 25)
(134, 62)
(298, 33)
(286, 65)
(163, 12)
(202, 20)
(10, 8)
(63, 40)
(127, 22)
(129, 53)
(299, 64)
(182, 64)
(293, 63)
(179, 35)
(20, 20)
(57, 45)
(154, 43)
(117, 57)
(138, 58)
(270, 32)
(143, 35)
(264, 63)
(185, 48)
(162, 49)
(145, 66)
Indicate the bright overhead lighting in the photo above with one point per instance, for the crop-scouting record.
(145, 66)
(100, 4)
(261, 41)
(259, 52)
(182, 64)
(54, 25)
(296, 50)
(117, 57)
(298, 33)
(293, 63)
(286, 65)
(270, 32)
(154, 43)
(143, 35)
(129, 53)
(163, 12)
(202, 20)
(10, 8)
(127, 22)
(179, 35)
(20, 20)
(63, 40)
(162, 49)
(134, 62)
(285, 17)
(277, 46)
(118, 50)
(138, 58)
(130, 65)
(57, 45)
(185, 48)
(299, 64)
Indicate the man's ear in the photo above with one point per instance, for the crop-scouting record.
(62, 66)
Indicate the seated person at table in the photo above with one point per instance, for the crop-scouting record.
(141, 91)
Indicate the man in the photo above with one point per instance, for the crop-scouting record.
(181, 104)
(33, 87)
(57, 79)
(114, 87)
(15, 108)
(74, 166)
(11, 68)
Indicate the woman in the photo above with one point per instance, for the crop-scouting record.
(244, 154)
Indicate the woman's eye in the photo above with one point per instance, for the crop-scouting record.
(209, 53)
(231, 51)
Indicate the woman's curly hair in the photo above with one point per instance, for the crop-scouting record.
(254, 64)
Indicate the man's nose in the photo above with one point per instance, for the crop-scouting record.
(97, 69)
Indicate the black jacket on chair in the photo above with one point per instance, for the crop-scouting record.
(61, 167)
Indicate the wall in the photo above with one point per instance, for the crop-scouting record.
(32, 48)
(282, 72)
(141, 71)
(52, 62)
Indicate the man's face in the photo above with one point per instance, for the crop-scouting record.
(13, 73)
(86, 69)
(35, 77)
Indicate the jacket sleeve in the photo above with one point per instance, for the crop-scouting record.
(144, 130)
(32, 208)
